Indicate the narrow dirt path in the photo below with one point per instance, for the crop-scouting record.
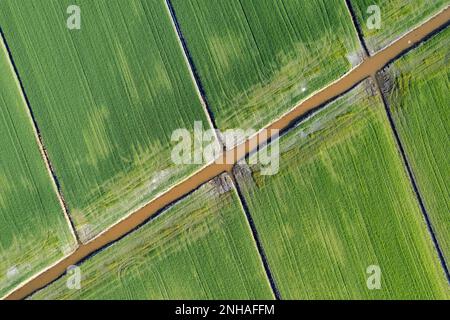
(366, 69)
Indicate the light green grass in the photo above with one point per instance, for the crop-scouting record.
(340, 203)
(419, 100)
(33, 230)
(258, 59)
(397, 18)
(107, 99)
(200, 248)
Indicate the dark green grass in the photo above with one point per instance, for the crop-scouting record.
(258, 59)
(107, 99)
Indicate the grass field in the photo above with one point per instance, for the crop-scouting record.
(258, 59)
(419, 101)
(107, 99)
(397, 18)
(200, 248)
(33, 230)
(340, 203)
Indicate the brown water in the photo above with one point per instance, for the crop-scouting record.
(368, 68)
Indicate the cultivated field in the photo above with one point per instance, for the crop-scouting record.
(340, 203)
(87, 118)
(418, 87)
(200, 248)
(107, 99)
(258, 59)
(33, 230)
(397, 18)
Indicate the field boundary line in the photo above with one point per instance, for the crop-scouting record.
(192, 69)
(357, 27)
(256, 238)
(37, 134)
(366, 69)
(411, 177)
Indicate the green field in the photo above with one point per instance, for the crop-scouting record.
(107, 99)
(33, 230)
(419, 101)
(340, 203)
(258, 59)
(200, 248)
(397, 18)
